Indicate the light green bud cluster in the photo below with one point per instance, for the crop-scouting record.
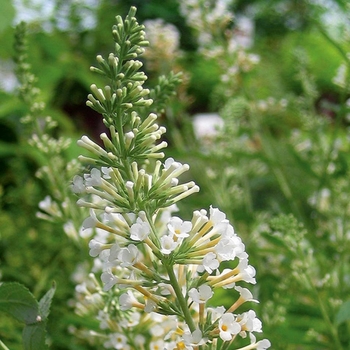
(165, 88)
(49, 145)
(136, 144)
(54, 171)
(122, 69)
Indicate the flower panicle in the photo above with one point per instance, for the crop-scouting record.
(162, 269)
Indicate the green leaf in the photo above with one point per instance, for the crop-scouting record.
(7, 14)
(9, 106)
(45, 302)
(19, 302)
(34, 336)
(343, 313)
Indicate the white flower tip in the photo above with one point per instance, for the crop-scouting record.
(129, 184)
(108, 210)
(80, 202)
(129, 135)
(195, 188)
(84, 138)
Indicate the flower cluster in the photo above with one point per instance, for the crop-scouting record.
(222, 37)
(144, 192)
(159, 273)
(55, 171)
(165, 41)
(210, 19)
(165, 272)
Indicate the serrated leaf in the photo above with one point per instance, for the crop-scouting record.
(343, 313)
(34, 336)
(19, 302)
(45, 302)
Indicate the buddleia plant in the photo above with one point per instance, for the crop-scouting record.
(155, 275)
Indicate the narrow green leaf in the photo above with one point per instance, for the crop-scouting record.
(8, 149)
(275, 240)
(3, 346)
(7, 14)
(343, 313)
(34, 336)
(9, 105)
(45, 302)
(19, 302)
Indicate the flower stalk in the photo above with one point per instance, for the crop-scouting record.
(182, 301)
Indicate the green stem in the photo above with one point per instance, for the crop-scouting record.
(332, 329)
(343, 251)
(247, 195)
(324, 176)
(333, 42)
(278, 169)
(324, 312)
(120, 130)
(181, 299)
(153, 235)
(343, 96)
